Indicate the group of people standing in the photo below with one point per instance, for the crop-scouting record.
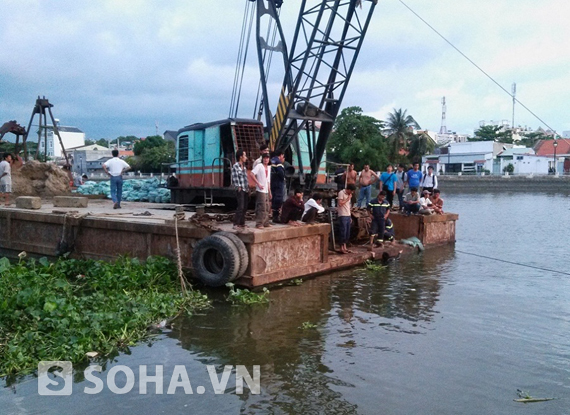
(268, 174)
(394, 183)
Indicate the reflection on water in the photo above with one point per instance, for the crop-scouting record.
(294, 374)
(436, 333)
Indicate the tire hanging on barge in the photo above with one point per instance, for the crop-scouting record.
(243, 255)
(216, 260)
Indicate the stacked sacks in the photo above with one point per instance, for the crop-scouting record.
(135, 190)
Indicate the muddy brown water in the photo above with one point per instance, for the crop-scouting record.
(445, 332)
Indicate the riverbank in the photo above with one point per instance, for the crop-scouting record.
(506, 183)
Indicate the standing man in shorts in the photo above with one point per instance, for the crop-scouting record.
(6, 178)
(367, 177)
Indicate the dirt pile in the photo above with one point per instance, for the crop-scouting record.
(40, 179)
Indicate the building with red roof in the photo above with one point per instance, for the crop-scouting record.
(546, 148)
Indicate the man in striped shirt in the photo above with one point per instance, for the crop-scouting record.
(239, 181)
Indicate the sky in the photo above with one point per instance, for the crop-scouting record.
(120, 67)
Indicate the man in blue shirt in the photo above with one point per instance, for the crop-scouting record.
(388, 181)
(414, 176)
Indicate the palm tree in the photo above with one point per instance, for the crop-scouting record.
(420, 145)
(400, 129)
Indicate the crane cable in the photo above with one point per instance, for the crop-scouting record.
(242, 57)
(513, 263)
(477, 66)
(267, 65)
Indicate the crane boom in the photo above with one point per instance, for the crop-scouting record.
(327, 40)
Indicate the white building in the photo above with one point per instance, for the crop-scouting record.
(450, 137)
(468, 157)
(89, 159)
(70, 136)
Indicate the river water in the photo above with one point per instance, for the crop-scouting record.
(445, 332)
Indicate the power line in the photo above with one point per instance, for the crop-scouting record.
(477, 66)
(514, 263)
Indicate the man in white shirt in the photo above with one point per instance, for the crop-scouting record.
(313, 206)
(261, 175)
(6, 178)
(429, 181)
(425, 204)
(115, 168)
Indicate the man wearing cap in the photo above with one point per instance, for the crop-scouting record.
(425, 204)
(429, 181)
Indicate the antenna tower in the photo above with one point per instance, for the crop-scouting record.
(443, 129)
(514, 93)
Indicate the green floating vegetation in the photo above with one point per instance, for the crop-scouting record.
(239, 296)
(307, 325)
(372, 266)
(62, 310)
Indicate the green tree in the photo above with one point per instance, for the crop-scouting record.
(357, 139)
(530, 139)
(420, 145)
(149, 142)
(493, 133)
(400, 126)
(152, 159)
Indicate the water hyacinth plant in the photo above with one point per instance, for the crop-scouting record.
(62, 310)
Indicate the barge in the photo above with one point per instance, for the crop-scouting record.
(139, 230)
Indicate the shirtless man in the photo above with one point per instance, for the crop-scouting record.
(367, 177)
(437, 202)
(350, 175)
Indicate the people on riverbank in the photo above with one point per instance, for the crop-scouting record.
(414, 176)
(365, 180)
(313, 207)
(429, 181)
(437, 202)
(425, 204)
(293, 209)
(277, 184)
(240, 183)
(388, 183)
(6, 178)
(115, 168)
(263, 149)
(389, 231)
(379, 209)
(349, 176)
(261, 175)
(401, 179)
(412, 201)
(344, 215)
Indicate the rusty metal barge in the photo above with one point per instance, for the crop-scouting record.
(266, 256)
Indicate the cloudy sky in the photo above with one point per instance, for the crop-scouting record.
(115, 67)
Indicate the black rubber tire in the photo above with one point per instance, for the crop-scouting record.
(243, 254)
(215, 260)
